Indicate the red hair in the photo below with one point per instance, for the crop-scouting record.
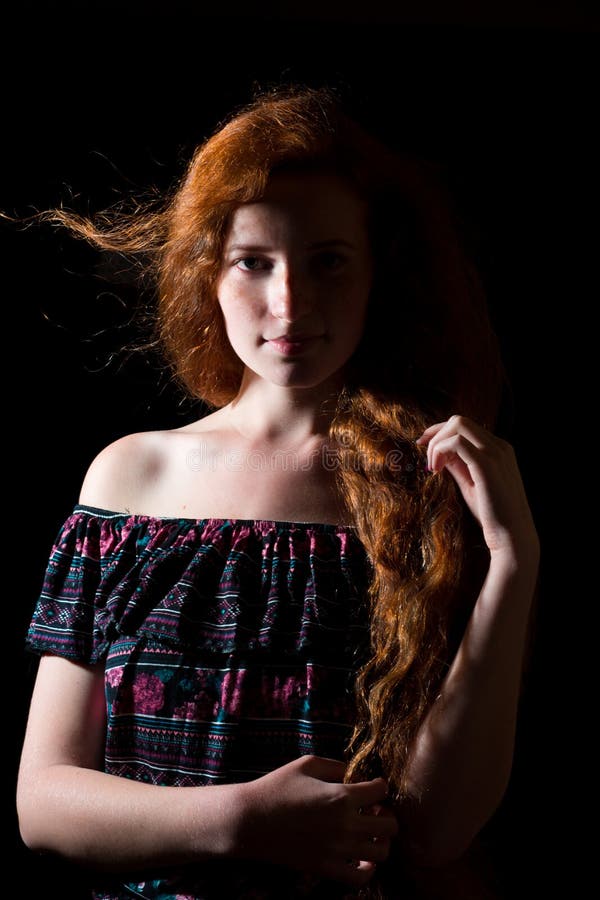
(428, 351)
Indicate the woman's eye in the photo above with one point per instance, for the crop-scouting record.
(250, 264)
(330, 261)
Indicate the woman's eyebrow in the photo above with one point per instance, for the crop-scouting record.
(317, 245)
(248, 248)
(332, 242)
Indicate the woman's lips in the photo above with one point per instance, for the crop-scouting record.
(291, 344)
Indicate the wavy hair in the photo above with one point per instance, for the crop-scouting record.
(428, 351)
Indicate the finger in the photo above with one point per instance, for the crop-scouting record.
(372, 847)
(459, 425)
(383, 826)
(323, 768)
(454, 425)
(372, 810)
(377, 809)
(367, 793)
(362, 843)
(456, 446)
(355, 872)
(429, 432)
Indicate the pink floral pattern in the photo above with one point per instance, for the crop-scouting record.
(148, 694)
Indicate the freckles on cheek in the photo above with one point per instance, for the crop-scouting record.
(238, 316)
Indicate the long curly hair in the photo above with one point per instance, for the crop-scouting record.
(428, 351)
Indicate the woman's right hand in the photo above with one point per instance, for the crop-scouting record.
(303, 816)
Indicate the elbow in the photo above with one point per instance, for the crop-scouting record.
(27, 830)
(443, 843)
(29, 833)
(30, 814)
(440, 836)
(30, 838)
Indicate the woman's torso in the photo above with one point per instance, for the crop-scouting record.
(230, 648)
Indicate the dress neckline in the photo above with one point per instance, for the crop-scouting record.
(102, 513)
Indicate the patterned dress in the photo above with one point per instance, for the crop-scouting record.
(230, 648)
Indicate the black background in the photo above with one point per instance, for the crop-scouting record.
(106, 99)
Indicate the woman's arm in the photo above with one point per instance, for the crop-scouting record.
(300, 815)
(66, 805)
(462, 757)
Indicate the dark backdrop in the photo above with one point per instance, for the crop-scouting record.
(103, 99)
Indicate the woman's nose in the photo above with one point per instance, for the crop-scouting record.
(292, 296)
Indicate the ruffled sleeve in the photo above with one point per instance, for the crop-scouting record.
(241, 587)
(71, 617)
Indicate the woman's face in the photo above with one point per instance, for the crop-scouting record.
(295, 279)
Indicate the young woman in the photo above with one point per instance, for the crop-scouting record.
(282, 645)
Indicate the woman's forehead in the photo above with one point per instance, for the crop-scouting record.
(319, 205)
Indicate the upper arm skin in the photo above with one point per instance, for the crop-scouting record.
(67, 721)
(66, 724)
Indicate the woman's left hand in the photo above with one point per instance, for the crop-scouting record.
(485, 469)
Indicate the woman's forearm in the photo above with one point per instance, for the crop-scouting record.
(117, 824)
(461, 762)
(300, 815)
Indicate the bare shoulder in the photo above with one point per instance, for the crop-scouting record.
(124, 470)
(153, 472)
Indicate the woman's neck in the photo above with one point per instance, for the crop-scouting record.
(266, 412)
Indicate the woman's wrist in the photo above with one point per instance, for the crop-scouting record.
(242, 822)
(513, 573)
(518, 558)
(218, 820)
